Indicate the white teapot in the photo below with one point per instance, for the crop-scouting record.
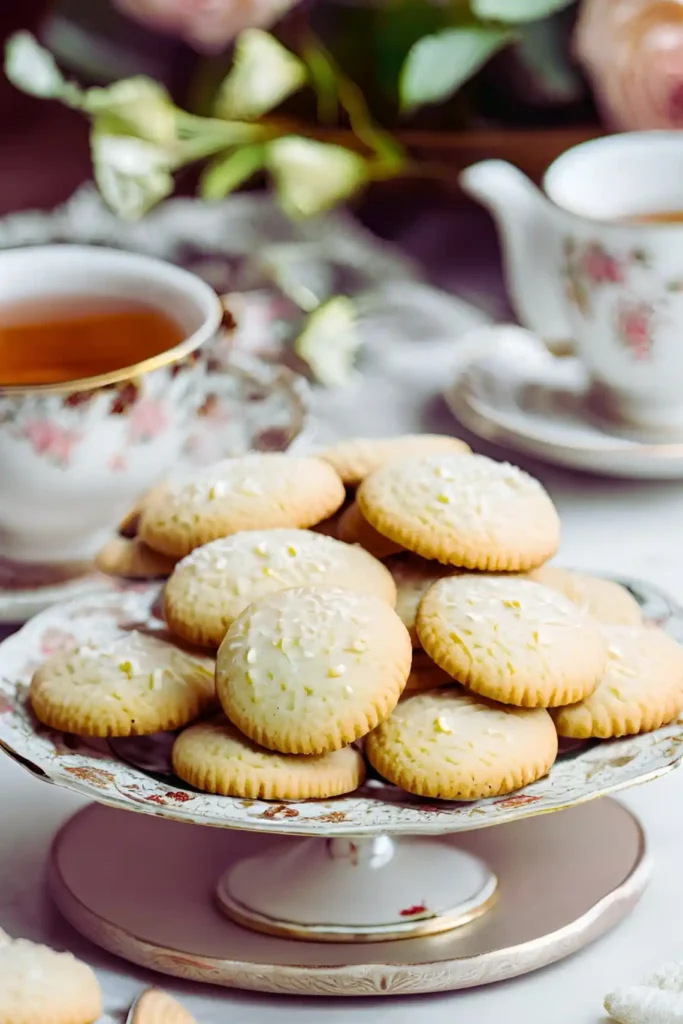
(596, 255)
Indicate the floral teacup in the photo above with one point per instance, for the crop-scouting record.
(74, 457)
(597, 256)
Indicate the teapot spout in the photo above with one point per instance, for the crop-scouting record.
(531, 244)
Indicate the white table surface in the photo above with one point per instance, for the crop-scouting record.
(618, 526)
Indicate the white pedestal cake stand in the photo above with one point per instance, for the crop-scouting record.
(471, 903)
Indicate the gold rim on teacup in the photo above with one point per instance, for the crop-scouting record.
(204, 295)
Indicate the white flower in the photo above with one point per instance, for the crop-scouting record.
(132, 174)
(31, 68)
(330, 340)
(312, 176)
(139, 105)
(264, 74)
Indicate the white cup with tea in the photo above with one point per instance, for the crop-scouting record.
(101, 376)
(597, 256)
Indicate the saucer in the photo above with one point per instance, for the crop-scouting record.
(250, 405)
(510, 390)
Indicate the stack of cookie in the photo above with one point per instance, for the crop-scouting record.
(457, 660)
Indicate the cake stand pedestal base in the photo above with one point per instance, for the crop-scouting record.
(146, 889)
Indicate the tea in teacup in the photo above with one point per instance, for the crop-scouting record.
(61, 338)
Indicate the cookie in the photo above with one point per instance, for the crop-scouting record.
(40, 986)
(311, 669)
(156, 1007)
(255, 492)
(136, 686)
(641, 688)
(133, 560)
(426, 674)
(213, 585)
(463, 510)
(128, 527)
(357, 457)
(450, 745)
(216, 758)
(353, 529)
(413, 577)
(512, 640)
(605, 600)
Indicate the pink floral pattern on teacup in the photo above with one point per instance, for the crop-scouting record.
(588, 266)
(638, 295)
(148, 419)
(633, 52)
(207, 25)
(49, 439)
(600, 267)
(635, 323)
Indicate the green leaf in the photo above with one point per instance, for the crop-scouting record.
(330, 340)
(312, 176)
(263, 76)
(131, 174)
(136, 106)
(516, 11)
(229, 171)
(32, 68)
(438, 65)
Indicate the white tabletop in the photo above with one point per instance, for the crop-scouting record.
(617, 526)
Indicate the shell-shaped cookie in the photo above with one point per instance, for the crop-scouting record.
(156, 1007)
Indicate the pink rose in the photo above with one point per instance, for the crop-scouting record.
(632, 50)
(148, 419)
(207, 25)
(50, 440)
(601, 268)
(635, 327)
